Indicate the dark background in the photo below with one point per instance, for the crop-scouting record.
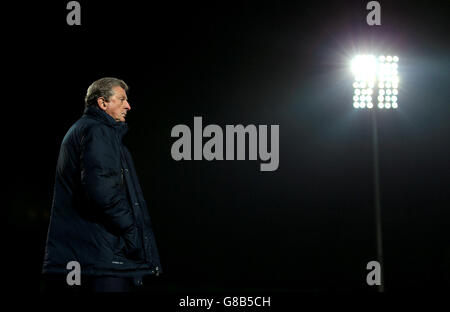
(225, 224)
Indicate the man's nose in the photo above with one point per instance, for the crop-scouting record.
(127, 105)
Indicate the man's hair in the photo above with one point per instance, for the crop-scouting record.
(103, 88)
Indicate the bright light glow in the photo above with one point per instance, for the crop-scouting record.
(394, 105)
(364, 67)
(375, 77)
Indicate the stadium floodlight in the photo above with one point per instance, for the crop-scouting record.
(377, 76)
(376, 79)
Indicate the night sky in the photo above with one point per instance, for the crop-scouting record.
(307, 226)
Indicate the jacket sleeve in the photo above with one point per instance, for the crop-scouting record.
(100, 178)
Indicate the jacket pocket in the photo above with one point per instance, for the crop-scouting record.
(120, 248)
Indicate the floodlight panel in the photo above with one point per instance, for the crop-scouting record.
(377, 76)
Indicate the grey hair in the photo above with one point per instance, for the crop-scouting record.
(103, 88)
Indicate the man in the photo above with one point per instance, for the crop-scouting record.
(99, 217)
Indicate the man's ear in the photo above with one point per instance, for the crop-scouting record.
(101, 103)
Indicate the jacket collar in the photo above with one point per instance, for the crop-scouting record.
(97, 114)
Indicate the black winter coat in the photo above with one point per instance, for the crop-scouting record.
(99, 216)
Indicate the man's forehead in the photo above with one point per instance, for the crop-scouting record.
(119, 91)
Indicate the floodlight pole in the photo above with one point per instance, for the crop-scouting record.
(379, 236)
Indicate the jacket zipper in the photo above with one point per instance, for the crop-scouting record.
(141, 230)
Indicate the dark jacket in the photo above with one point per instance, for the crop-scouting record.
(99, 216)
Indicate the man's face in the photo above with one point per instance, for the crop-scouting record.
(117, 106)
